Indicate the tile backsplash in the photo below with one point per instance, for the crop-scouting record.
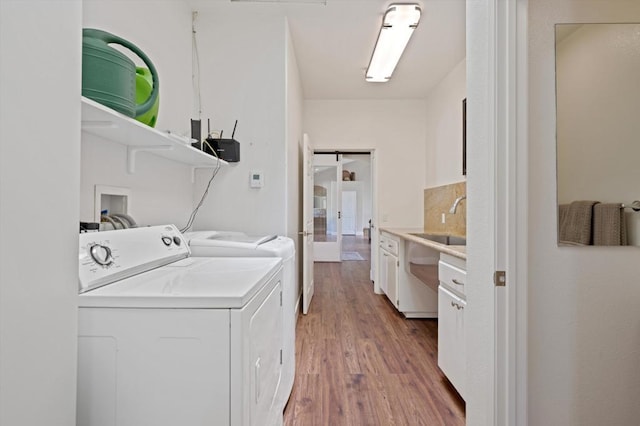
(438, 201)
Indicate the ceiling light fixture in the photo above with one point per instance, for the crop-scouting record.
(282, 1)
(398, 24)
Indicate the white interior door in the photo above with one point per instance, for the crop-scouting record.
(327, 203)
(349, 209)
(307, 232)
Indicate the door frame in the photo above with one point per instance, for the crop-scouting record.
(374, 204)
(512, 171)
(516, 387)
(308, 280)
(497, 68)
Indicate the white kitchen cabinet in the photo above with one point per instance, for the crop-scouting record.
(391, 269)
(407, 293)
(452, 274)
(382, 266)
(451, 334)
(451, 346)
(388, 256)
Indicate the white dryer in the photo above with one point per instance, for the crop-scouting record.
(231, 243)
(167, 339)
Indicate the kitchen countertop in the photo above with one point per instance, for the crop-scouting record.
(405, 233)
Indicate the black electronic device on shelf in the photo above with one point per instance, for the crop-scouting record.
(226, 149)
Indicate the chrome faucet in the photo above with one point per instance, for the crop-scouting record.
(454, 207)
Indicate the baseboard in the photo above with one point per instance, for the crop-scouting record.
(415, 315)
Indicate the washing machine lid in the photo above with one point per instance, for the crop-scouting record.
(227, 239)
(218, 243)
(188, 283)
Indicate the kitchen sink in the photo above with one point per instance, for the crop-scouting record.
(449, 240)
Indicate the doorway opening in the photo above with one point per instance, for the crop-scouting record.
(356, 207)
(342, 206)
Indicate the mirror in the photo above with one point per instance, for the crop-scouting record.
(598, 133)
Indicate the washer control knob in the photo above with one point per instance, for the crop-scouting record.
(167, 241)
(101, 254)
(177, 241)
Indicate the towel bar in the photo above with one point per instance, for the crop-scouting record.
(635, 206)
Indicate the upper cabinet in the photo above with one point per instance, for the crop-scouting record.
(110, 125)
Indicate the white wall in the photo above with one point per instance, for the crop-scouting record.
(598, 129)
(243, 69)
(161, 190)
(39, 179)
(396, 130)
(583, 303)
(444, 128)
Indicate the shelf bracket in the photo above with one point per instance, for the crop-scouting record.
(203, 166)
(133, 150)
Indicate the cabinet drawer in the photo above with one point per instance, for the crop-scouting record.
(389, 245)
(452, 277)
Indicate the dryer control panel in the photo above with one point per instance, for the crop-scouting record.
(109, 256)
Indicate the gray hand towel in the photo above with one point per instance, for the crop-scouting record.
(574, 222)
(609, 226)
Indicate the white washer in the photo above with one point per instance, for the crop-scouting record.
(166, 339)
(230, 243)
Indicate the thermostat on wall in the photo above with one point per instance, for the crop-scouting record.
(256, 179)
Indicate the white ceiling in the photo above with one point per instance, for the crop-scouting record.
(333, 45)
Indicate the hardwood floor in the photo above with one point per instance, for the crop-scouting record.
(359, 362)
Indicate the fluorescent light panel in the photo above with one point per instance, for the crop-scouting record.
(398, 24)
(282, 1)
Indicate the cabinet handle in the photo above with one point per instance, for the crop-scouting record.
(456, 305)
(455, 281)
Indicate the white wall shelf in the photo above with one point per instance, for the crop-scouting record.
(108, 124)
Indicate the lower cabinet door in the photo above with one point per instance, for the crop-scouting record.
(451, 344)
(382, 270)
(392, 279)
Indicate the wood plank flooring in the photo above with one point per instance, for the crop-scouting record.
(360, 362)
